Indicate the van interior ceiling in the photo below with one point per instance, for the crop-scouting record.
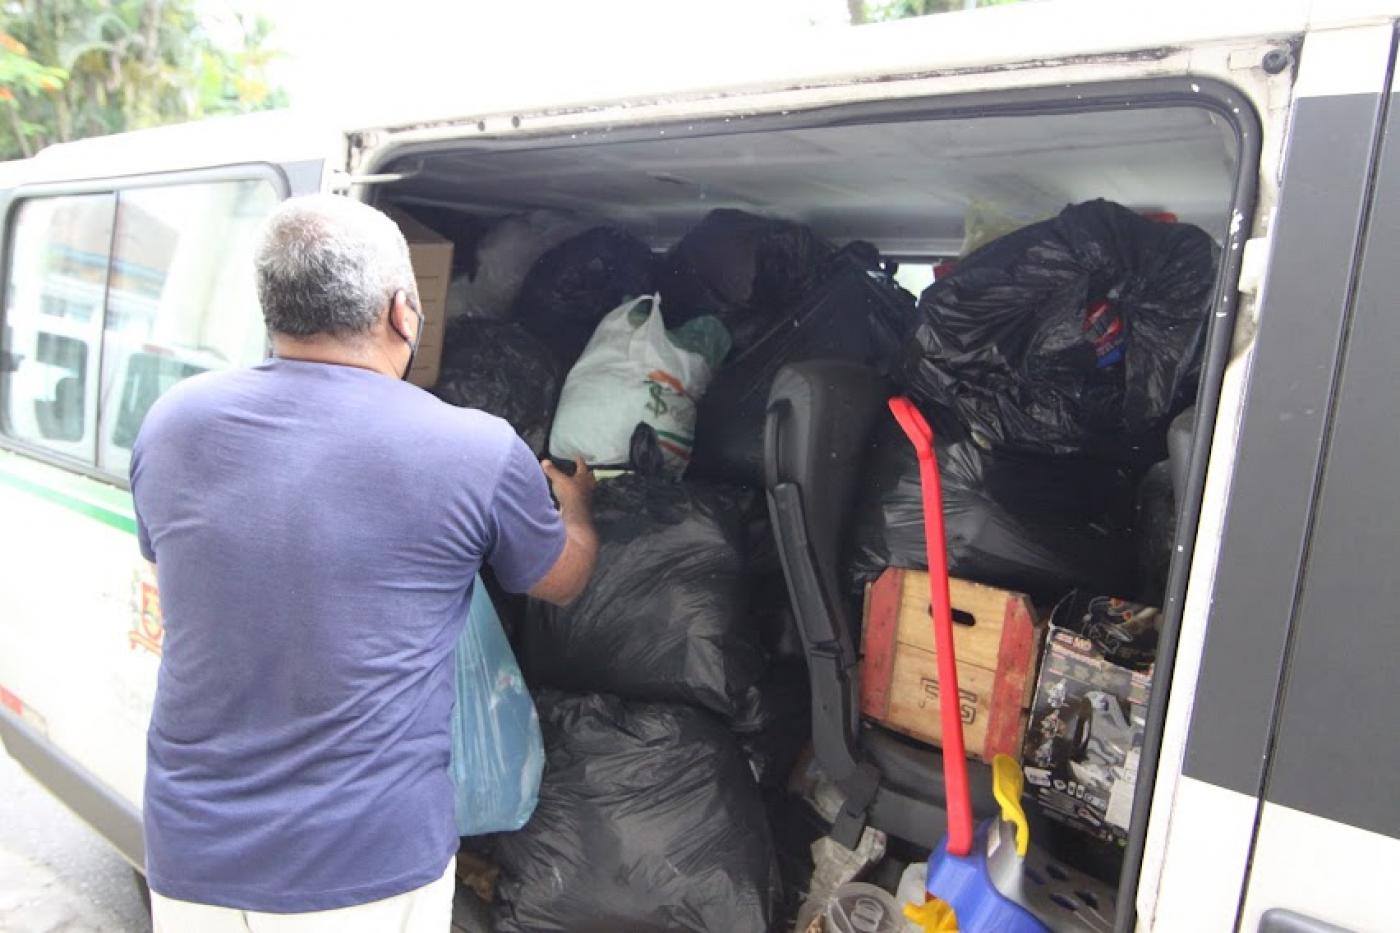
(921, 189)
(906, 187)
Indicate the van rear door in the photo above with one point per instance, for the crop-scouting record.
(1242, 67)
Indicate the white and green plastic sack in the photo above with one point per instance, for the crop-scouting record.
(632, 372)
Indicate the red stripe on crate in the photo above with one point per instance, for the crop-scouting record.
(878, 643)
(1009, 688)
(12, 702)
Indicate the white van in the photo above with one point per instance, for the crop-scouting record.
(1266, 794)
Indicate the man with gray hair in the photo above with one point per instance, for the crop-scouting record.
(316, 525)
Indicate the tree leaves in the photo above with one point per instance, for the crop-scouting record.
(74, 68)
(875, 11)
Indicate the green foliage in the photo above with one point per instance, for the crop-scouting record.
(875, 11)
(75, 68)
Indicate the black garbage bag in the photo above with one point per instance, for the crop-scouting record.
(499, 368)
(746, 269)
(795, 825)
(665, 616)
(770, 608)
(1080, 334)
(853, 314)
(1035, 524)
(644, 451)
(1155, 531)
(575, 284)
(774, 723)
(648, 820)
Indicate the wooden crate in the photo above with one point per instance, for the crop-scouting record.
(997, 655)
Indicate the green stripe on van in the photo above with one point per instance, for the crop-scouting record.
(106, 504)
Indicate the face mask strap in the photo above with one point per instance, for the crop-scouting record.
(418, 335)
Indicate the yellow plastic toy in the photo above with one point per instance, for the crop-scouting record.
(932, 916)
(1007, 783)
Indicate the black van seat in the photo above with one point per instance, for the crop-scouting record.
(819, 417)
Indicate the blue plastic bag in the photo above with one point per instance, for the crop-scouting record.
(497, 752)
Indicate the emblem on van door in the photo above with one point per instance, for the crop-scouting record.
(147, 628)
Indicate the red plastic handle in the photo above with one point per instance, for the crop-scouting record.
(959, 802)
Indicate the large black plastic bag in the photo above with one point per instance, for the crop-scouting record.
(1018, 340)
(1155, 531)
(1035, 524)
(499, 368)
(775, 723)
(575, 284)
(745, 268)
(853, 314)
(648, 820)
(796, 825)
(665, 616)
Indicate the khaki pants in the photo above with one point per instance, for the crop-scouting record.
(425, 910)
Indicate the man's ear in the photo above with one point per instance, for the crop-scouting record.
(399, 311)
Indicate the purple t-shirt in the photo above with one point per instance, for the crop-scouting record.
(316, 530)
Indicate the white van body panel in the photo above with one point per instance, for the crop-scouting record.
(1194, 877)
(276, 137)
(1322, 869)
(650, 59)
(95, 627)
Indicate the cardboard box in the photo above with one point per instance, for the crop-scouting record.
(1089, 714)
(996, 656)
(431, 255)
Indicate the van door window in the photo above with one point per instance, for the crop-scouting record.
(54, 291)
(182, 298)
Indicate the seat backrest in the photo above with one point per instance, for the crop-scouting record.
(61, 418)
(819, 417)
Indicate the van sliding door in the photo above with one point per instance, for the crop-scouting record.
(1328, 839)
(1289, 638)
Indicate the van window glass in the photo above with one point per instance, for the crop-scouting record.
(49, 347)
(182, 299)
(914, 276)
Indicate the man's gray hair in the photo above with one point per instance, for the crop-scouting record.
(330, 265)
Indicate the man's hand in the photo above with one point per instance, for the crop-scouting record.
(572, 491)
(572, 571)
